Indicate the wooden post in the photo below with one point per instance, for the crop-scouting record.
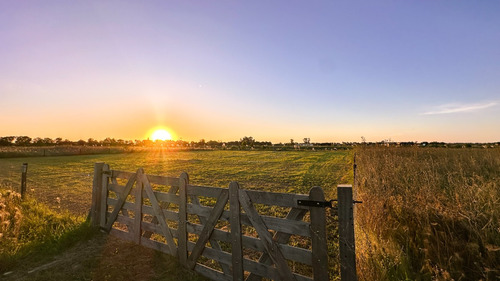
(24, 170)
(318, 235)
(104, 195)
(346, 233)
(138, 206)
(236, 245)
(182, 241)
(95, 208)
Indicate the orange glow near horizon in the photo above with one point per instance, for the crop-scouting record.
(160, 133)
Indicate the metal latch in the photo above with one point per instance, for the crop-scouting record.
(322, 204)
(313, 203)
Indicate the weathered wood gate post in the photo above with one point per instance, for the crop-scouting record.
(95, 208)
(346, 233)
(318, 235)
(235, 221)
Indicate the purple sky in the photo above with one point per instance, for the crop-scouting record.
(274, 70)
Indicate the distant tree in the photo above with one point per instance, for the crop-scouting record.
(81, 142)
(109, 141)
(307, 140)
(6, 141)
(92, 142)
(292, 142)
(202, 143)
(247, 141)
(213, 143)
(23, 140)
(38, 141)
(48, 141)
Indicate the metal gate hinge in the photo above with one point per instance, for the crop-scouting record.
(313, 203)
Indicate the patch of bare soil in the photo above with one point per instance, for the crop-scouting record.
(104, 258)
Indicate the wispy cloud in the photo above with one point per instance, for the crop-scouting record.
(460, 108)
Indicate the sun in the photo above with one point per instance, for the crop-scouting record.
(161, 134)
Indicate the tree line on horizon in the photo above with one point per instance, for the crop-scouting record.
(245, 142)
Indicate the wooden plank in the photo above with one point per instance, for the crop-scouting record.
(126, 205)
(182, 232)
(279, 237)
(213, 242)
(162, 247)
(167, 197)
(271, 247)
(346, 233)
(318, 235)
(204, 191)
(208, 228)
(276, 199)
(116, 188)
(129, 222)
(211, 273)
(236, 245)
(121, 234)
(169, 215)
(121, 174)
(164, 205)
(292, 253)
(136, 229)
(155, 179)
(104, 194)
(95, 209)
(121, 200)
(279, 224)
(249, 265)
(159, 214)
(162, 180)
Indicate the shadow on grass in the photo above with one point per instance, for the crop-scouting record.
(87, 254)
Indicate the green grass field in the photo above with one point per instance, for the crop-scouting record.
(65, 182)
(69, 178)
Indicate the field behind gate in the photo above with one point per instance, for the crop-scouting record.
(65, 182)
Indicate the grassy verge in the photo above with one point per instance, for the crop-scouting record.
(32, 231)
(428, 214)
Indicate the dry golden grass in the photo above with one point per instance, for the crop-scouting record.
(428, 214)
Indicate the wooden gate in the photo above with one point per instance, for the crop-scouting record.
(221, 233)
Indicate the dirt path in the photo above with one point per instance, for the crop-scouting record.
(104, 258)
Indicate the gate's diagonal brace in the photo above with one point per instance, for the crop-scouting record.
(120, 202)
(208, 228)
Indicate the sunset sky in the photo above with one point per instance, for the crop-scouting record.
(220, 70)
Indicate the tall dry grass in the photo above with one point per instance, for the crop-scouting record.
(428, 214)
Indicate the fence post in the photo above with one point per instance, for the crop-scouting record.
(24, 170)
(104, 195)
(95, 208)
(318, 229)
(182, 242)
(138, 206)
(235, 221)
(346, 233)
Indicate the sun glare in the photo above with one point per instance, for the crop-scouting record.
(161, 134)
